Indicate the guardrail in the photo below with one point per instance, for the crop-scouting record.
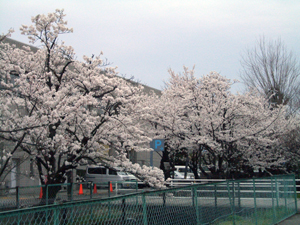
(185, 182)
(212, 203)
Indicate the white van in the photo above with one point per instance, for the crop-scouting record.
(101, 175)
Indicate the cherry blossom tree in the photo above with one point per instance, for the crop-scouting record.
(291, 143)
(5, 155)
(62, 111)
(8, 34)
(229, 134)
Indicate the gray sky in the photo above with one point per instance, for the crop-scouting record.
(145, 38)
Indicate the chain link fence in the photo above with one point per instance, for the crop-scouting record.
(255, 201)
(30, 196)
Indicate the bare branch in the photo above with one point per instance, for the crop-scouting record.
(271, 69)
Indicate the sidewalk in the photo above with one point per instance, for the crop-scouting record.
(294, 220)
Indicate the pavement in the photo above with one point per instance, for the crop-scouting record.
(293, 220)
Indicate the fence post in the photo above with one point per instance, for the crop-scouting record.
(192, 195)
(230, 201)
(137, 189)
(239, 195)
(91, 190)
(109, 206)
(72, 190)
(145, 219)
(123, 210)
(285, 194)
(233, 200)
(55, 216)
(216, 200)
(233, 194)
(18, 204)
(277, 191)
(254, 197)
(72, 209)
(164, 204)
(116, 187)
(47, 194)
(273, 205)
(195, 194)
(17, 197)
(295, 194)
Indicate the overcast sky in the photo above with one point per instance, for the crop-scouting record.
(145, 38)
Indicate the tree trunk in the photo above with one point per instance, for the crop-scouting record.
(49, 194)
(165, 158)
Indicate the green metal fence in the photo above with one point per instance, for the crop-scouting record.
(270, 201)
(29, 196)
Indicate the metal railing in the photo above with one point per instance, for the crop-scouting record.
(185, 182)
(272, 200)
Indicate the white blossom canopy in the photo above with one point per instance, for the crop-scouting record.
(230, 133)
(63, 111)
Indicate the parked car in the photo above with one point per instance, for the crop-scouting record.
(101, 175)
(141, 184)
(182, 169)
(177, 175)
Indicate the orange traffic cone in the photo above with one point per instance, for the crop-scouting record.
(80, 190)
(41, 193)
(95, 189)
(110, 187)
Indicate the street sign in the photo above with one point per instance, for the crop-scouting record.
(158, 144)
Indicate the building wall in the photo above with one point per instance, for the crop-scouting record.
(20, 171)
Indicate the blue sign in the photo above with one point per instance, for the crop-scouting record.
(158, 144)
